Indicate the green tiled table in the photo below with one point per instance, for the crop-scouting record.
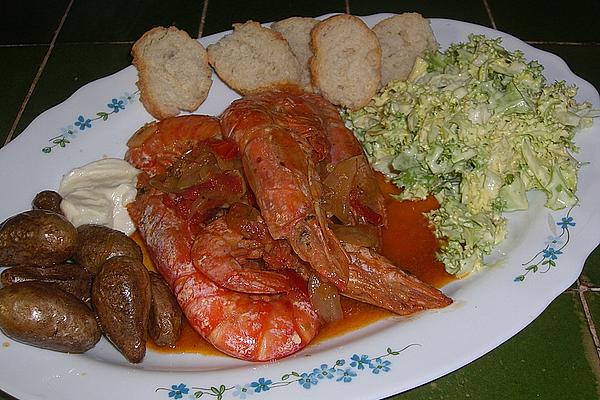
(50, 49)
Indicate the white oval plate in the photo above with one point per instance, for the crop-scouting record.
(382, 359)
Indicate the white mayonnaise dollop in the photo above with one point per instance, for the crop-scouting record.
(98, 193)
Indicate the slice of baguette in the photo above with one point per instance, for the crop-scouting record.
(296, 30)
(403, 38)
(346, 61)
(252, 58)
(173, 71)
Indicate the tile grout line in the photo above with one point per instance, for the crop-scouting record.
(37, 75)
(588, 315)
(203, 18)
(488, 10)
(12, 45)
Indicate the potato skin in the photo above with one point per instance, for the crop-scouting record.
(164, 324)
(71, 278)
(45, 316)
(36, 237)
(99, 243)
(47, 200)
(121, 296)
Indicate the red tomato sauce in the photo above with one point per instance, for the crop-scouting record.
(408, 242)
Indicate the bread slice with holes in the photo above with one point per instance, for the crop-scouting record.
(403, 38)
(173, 71)
(253, 57)
(296, 30)
(346, 61)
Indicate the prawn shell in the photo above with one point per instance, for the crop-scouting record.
(250, 327)
(156, 146)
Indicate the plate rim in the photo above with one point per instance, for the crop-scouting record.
(579, 258)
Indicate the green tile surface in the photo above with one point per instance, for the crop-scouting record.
(6, 396)
(31, 21)
(70, 67)
(593, 301)
(109, 21)
(222, 14)
(552, 20)
(18, 68)
(468, 10)
(591, 272)
(551, 359)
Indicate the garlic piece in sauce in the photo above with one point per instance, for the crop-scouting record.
(98, 193)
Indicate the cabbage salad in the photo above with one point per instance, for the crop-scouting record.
(476, 126)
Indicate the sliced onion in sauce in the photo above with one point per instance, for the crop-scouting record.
(325, 298)
(166, 184)
(359, 235)
(339, 182)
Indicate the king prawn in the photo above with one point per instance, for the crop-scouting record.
(260, 219)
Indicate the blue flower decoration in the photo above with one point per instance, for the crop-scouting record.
(324, 372)
(262, 385)
(565, 222)
(379, 365)
(116, 105)
(242, 391)
(551, 253)
(345, 375)
(307, 380)
(177, 391)
(360, 361)
(83, 123)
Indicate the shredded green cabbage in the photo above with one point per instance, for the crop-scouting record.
(477, 126)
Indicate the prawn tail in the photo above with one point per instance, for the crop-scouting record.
(374, 280)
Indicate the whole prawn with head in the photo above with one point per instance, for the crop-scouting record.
(222, 265)
(307, 170)
(281, 140)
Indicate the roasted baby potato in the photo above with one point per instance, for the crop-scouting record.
(71, 278)
(36, 237)
(98, 243)
(45, 316)
(121, 296)
(47, 200)
(164, 325)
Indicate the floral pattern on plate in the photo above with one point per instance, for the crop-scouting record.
(341, 371)
(82, 122)
(546, 259)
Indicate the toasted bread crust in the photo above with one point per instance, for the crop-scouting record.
(403, 38)
(346, 61)
(173, 71)
(296, 30)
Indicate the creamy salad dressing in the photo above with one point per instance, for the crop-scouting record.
(98, 193)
